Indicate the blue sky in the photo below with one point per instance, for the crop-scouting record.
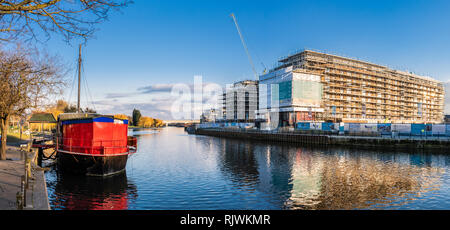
(160, 43)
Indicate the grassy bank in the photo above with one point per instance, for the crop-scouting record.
(14, 136)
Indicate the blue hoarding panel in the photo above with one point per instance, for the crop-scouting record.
(328, 126)
(384, 128)
(354, 127)
(303, 125)
(417, 129)
(447, 129)
(428, 129)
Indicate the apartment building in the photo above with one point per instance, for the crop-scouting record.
(240, 101)
(329, 87)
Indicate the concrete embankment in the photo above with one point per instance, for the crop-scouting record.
(12, 172)
(332, 140)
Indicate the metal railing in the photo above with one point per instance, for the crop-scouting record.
(97, 147)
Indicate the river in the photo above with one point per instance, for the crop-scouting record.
(174, 170)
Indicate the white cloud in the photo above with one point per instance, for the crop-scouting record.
(157, 101)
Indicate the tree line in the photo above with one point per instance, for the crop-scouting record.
(138, 120)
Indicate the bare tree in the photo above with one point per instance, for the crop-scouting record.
(26, 81)
(72, 19)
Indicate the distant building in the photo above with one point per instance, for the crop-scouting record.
(209, 115)
(15, 121)
(447, 118)
(42, 122)
(322, 87)
(240, 102)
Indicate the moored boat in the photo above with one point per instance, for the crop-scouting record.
(93, 144)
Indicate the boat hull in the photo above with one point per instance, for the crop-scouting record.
(91, 165)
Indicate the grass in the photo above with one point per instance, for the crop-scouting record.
(12, 139)
(14, 136)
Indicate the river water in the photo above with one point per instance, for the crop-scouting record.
(174, 170)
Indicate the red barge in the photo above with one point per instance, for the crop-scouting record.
(92, 144)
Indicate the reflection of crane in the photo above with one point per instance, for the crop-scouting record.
(245, 46)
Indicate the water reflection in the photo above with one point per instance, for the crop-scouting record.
(174, 170)
(238, 160)
(305, 178)
(92, 193)
(142, 132)
(357, 182)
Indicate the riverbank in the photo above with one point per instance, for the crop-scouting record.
(11, 172)
(378, 142)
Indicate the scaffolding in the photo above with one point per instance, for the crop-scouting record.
(358, 91)
(240, 101)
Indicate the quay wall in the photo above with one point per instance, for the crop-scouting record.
(355, 129)
(331, 140)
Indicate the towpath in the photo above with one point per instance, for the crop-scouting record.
(11, 172)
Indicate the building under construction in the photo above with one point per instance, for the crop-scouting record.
(324, 87)
(239, 102)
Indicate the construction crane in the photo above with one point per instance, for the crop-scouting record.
(245, 46)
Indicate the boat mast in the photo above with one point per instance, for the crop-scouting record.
(79, 79)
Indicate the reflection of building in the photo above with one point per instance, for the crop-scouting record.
(355, 181)
(306, 179)
(248, 164)
(240, 101)
(311, 178)
(238, 161)
(352, 91)
(302, 178)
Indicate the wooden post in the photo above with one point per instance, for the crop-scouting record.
(25, 175)
(40, 156)
(28, 167)
(23, 191)
(35, 156)
(19, 201)
(20, 130)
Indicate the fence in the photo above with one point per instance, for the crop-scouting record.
(386, 130)
(368, 129)
(225, 125)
